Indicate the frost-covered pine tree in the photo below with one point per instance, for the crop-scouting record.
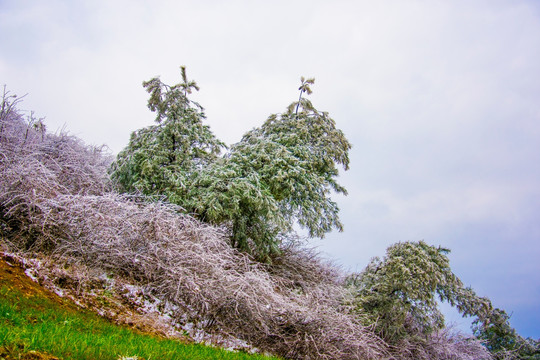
(161, 160)
(279, 174)
(399, 294)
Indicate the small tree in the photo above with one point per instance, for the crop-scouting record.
(161, 160)
(279, 174)
(398, 294)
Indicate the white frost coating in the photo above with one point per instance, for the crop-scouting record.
(31, 275)
(177, 320)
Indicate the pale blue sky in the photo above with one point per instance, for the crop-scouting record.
(441, 100)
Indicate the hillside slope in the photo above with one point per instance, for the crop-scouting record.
(39, 324)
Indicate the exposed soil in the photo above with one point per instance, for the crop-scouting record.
(13, 277)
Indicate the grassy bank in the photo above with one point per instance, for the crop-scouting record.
(35, 322)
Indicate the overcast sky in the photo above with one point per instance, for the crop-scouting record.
(441, 100)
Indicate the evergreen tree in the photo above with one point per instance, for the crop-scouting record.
(279, 174)
(398, 294)
(161, 160)
(501, 338)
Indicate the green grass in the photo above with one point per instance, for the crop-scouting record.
(34, 323)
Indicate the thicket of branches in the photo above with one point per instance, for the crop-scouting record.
(55, 199)
(293, 311)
